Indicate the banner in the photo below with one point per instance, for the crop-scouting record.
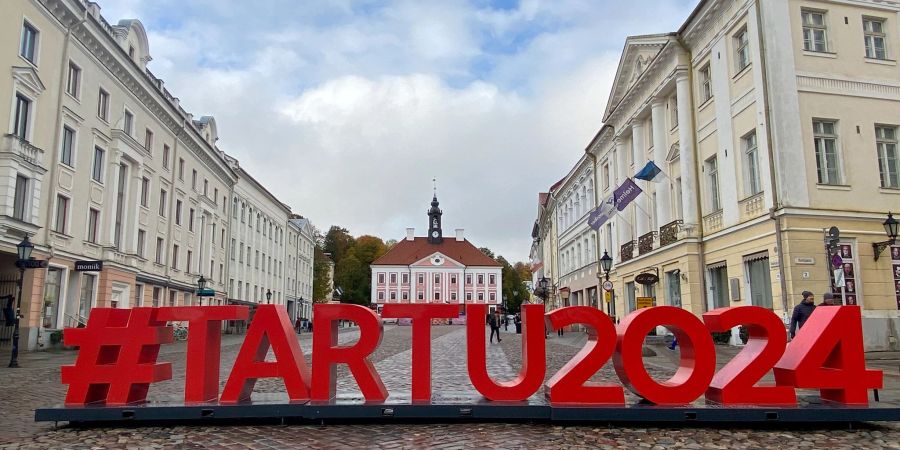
(602, 213)
(625, 194)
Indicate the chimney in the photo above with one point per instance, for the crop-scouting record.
(410, 234)
(460, 235)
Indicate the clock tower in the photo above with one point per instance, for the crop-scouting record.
(435, 235)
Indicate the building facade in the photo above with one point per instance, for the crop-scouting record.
(299, 263)
(99, 162)
(435, 269)
(773, 121)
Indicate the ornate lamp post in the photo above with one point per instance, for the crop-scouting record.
(890, 228)
(201, 285)
(564, 295)
(268, 296)
(23, 250)
(606, 263)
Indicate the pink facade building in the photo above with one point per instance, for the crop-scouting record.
(435, 269)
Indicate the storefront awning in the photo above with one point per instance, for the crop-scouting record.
(758, 256)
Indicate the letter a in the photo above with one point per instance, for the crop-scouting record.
(270, 327)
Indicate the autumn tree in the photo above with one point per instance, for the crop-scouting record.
(321, 281)
(337, 242)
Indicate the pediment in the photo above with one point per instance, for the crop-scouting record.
(437, 259)
(674, 153)
(637, 55)
(28, 78)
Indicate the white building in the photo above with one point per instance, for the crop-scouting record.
(299, 262)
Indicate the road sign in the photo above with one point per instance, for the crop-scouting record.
(644, 302)
(31, 264)
(607, 296)
(607, 286)
(206, 293)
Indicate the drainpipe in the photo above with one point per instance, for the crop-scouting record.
(773, 179)
(697, 166)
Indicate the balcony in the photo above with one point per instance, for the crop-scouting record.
(712, 222)
(752, 207)
(627, 251)
(20, 149)
(645, 243)
(668, 233)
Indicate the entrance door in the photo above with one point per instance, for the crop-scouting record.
(52, 288)
(673, 288)
(718, 286)
(760, 283)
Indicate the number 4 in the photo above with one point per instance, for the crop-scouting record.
(827, 354)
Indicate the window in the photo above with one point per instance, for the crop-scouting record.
(103, 105)
(222, 240)
(437, 295)
(469, 279)
(393, 278)
(141, 238)
(825, 141)
(405, 278)
(175, 256)
(742, 50)
(480, 296)
(492, 278)
(62, 210)
(814, 36)
(751, 159)
(68, 142)
(673, 113)
(93, 222)
(452, 279)
(216, 196)
(241, 254)
(194, 179)
(97, 172)
(181, 169)
(190, 257)
(493, 296)
(20, 201)
(29, 42)
(191, 220)
(712, 177)
(888, 159)
(453, 296)
(875, 38)
(421, 279)
(480, 279)
(421, 296)
(160, 248)
(148, 143)
(468, 296)
(23, 111)
(131, 51)
(162, 202)
(73, 81)
(129, 124)
(233, 245)
(205, 186)
(145, 192)
(177, 212)
(606, 176)
(165, 156)
(405, 295)
(705, 84)
(437, 279)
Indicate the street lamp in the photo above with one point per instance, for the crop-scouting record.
(890, 228)
(606, 263)
(23, 250)
(268, 296)
(201, 285)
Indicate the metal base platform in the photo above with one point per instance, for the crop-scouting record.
(457, 410)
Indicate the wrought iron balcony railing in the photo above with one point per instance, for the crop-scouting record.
(627, 251)
(645, 243)
(668, 233)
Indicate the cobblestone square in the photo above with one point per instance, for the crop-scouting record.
(37, 384)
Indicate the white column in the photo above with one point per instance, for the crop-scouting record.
(134, 199)
(660, 147)
(623, 228)
(642, 202)
(686, 159)
(111, 187)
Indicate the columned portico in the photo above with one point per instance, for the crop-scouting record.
(639, 152)
(623, 227)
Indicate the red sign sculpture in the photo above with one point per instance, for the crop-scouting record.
(118, 351)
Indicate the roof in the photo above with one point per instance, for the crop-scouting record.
(407, 252)
(542, 198)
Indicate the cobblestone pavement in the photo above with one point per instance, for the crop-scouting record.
(36, 384)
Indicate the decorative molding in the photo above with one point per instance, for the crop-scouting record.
(28, 78)
(853, 88)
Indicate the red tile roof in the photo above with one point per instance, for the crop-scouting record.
(407, 252)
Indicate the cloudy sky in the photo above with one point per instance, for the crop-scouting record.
(346, 110)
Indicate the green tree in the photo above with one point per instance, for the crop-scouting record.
(337, 242)
(321, 281)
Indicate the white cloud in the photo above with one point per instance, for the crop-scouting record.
(346, 110)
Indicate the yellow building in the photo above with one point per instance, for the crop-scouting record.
(773, 121)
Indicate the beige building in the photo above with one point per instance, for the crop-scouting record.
(773, 121)
(101, 163)
(299, 266)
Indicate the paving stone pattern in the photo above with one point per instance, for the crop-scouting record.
(36, 384)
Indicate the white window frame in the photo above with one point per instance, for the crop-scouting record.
(810, 43)
(871, 36)
(73, 144)
(65, 215)
(22, 196)
(128, 122)
(705, 83)
(741, 49)
(73, 80)
(750, 150)
(820, 140)
(103, 104)
(714, 200)
(93, 232)
(885, 145)
(97, 168)
(36, 45)
(27, 117)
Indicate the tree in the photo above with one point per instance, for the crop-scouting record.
(523, 269)
(487, 252)
(321, 281)
(337, 242)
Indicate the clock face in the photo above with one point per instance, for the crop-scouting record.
(434, 233)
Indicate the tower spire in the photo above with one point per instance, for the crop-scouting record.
(435, 234)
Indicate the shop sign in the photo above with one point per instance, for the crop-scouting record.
(88, 266)
(646, 278)
(826, 354)
(644, 302)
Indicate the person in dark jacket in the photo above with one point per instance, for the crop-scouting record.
(827, 299)
(494, 322)
(802, 312)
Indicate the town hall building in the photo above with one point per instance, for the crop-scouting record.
(435, 269)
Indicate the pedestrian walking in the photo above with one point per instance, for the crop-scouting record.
(673, 344)
(298, 325)
(505, 323)
(802, 312)
(494, 322)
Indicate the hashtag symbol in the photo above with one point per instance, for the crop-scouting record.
(116, 360)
